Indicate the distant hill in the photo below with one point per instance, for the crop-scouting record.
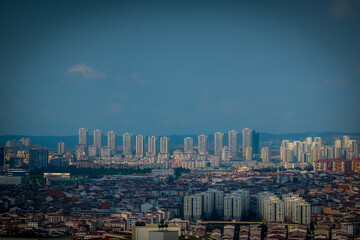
(175, 140)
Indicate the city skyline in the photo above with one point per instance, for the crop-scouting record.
(147, 120)
(205, 67)
(293, 182)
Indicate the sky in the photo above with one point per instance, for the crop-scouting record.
(179, 67)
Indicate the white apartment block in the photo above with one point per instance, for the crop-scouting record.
(271, 208)
(236, 205)
(297, 210)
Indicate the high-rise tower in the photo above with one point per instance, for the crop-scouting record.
(152, 145)
(233, 142)
(218, 143)
(164, 145)
(247, 136)
(38, 158)
(98, 140)
(61, 148)
(83, 136)
(203, 144)
(139, 145)
(188, 144)
(256, 142)
(265, 154)
(127, 137)
(112, 141)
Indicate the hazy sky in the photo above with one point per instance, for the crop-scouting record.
(179, 67)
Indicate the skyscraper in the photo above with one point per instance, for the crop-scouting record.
(61, 148)
(152, 145)
(256, 142)
(83, 136)
(247, 136)
(337, 149)
(265, 154)
(139, 145)
(98, 138)
(218, 143)
(248, 153)
(203, 144)
(250, 139)
(164, 145)
(127, 137)
(233, 142)
(38, 158)
(112, 141)
(188, 144)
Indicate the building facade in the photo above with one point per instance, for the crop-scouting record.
(127, 143)
(152, 146)
(61, 148)
(38, 158)
(112, 141)
(164, 144)
(98, 138)
(188, 144)
(218, 143)
(233, 142)
(83, 136)
(203, 144)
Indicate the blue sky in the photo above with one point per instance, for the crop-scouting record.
(179, 67)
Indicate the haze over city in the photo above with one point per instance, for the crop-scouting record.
(179, 120)
(175, 67)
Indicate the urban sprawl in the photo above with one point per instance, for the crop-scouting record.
(146, 189)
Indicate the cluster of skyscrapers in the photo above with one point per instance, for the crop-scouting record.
(99, 149)
(311, 150)
(250, 144)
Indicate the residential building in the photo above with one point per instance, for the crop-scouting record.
(152, 146)
(248, 153)
(247, 139)
(98, 139)
(193, 207)
(112, 142)
(296, 209)
(38, 158)
(265, 154)
(272, 208)
(188, 144)
(61, 149)
(139, 145)
(203, 144)
(164, 144)
(83, 137)
(127, 143)
(236, 205)
(218, 143)
(233, 143)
